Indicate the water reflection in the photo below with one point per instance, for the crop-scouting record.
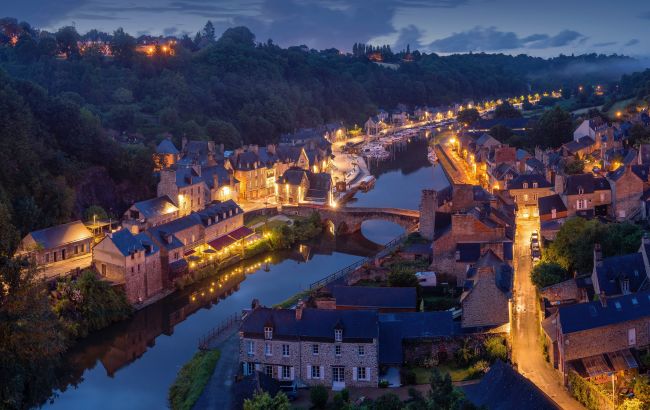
(137, 351)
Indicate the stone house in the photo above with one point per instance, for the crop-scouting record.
(166, 155)
(584, 194)
(500, 175)
(221, 218)
(132, 261)
(628, 184)
(621, 274)
(591, 337)
(57, 243)
(220, 182)
(297, 186)
(526, 189)
(254, 167)
(143, 215)
(382, 299)
(374, 124)
(487, 293)
(336, 348)
(552, 214)
(185, 187)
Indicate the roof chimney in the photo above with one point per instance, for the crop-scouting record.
(215, 180)
(299, 308)
(598, 255)
(255, 304)
(603, 299)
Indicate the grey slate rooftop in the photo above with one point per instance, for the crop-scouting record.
(61, 234)
(375, 297)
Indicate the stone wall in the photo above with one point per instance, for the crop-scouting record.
(428, 207)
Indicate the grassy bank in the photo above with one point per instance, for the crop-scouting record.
(191, 380)
(292, 300)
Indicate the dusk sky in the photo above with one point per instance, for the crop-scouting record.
(544, 28)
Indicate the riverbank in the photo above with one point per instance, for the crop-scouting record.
(192, 379)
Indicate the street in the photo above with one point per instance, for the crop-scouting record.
(526, 339)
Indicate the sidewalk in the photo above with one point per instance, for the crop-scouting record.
(217, 393)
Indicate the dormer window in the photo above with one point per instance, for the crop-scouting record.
(525, 185)
(268, 332)
(534, 184)
(580, 190)
(338, 335)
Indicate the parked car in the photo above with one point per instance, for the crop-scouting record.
(536, 253)
(290, 388)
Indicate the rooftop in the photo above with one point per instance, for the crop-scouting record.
(375, 297)
(58, 235)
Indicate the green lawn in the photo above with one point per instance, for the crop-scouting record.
(191, 380)
(619, 106)
(292, 300)
(422, 375)
(255, 220)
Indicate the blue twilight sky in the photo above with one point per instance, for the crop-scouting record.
(543, 28)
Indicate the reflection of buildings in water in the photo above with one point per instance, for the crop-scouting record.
(408, 158)
(125, 342)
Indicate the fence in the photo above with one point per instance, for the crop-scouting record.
(350, 268)
(588, 394)
(212, 335)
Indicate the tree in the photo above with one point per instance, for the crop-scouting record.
(501, 133)
(47, 46)
(67, 38)
(468, 116)
(31, 341)
(495, 348)
(223, 132)
(388, 401)
(95, 212)
(642, 388)
(123, 46)
(208, 31)
(441, 392)
(403, 278)
(574, 167)
(553, 129)
(638, 134)
(264, 401)
(548, 273)
(239, 36)
(506, 110)
(318, 396)
(123, 96)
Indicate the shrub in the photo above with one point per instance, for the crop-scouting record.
(191, 380)
(383, 384)
(388, 401)
(318, 396)
(478, 369)
(495, 348)
(407, 376)
(345, 395)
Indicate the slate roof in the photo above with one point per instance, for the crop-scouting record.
(375, 297)
(58, 235)
(394, 328)
(546, 204)
(501, 170)
(611, 271)
(161, 205)
(487, 139)
(468, 252)
(166, 147)
(315, 323)
(207, 173)
(587, 182)
(170, 228)
(320, 185)
(147, 243)
(187, 176)
(288, 153)
(535, 164)
(517, 182)
(125, 242)
(503, 388)
(216, 211)
(575, 146)
(293, 176)
(592, 315)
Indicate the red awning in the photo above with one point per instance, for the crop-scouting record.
(221, 242)
(241, 233)
(188, 252)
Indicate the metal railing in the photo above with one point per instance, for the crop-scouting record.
(350, 268)
(208, 338)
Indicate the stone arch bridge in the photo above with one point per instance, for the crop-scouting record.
(347, 220)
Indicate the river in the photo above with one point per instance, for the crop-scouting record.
(131, 364)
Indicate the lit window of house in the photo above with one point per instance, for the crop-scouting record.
(534, 184)
(581, 204)
(525, 185)
(268, 333)
(338, 335)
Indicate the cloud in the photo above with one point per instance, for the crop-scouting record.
(491, 39)
(631, 43)
(410, 36)
(40, 13)
(645, 16)
(605, 44)
(96, 17)
(170, 31)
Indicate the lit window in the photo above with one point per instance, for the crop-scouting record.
(338, 335)
(268, 333)
(286, 372)
(251, 348)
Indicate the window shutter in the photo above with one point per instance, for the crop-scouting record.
(322, 372)
(292, 373)
(354, 373)
(279, 372)
(257, 366)
(308, 372)
(368, 374)
(243, 368)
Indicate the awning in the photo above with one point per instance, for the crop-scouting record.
(221, 242)
(188, 252)
(241, 233)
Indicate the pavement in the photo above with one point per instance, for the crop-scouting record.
(62, 267)
(217, 393)
(525, 332)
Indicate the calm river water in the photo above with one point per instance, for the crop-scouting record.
(130, 365)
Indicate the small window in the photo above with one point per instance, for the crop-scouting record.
(534, 184)
(337, 350)
(251, 348)
(338, 335)
(525, 185)
(362, 350)
(314, 349)
(285, 350)
(361, 373)
(268, 349)
(268, 333)
(315, 372)
(268, 370)
(286, 372)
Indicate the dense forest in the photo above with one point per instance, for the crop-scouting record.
(62, 106)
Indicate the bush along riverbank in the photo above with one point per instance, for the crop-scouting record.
(192, 379)
(275, 239)
(38, 325)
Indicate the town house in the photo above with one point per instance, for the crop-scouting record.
(297, 185)
(595, 338)
(584, 194)
(628, 184)
(132, 261)
(526, 189)
(185, 187)
(143, 215)
(621, 274)
(254, 167)
(336, 348)
(166, 155)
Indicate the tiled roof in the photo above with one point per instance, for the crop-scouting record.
(375, 297)
(166, 147)
(161, 205)
(530, 179)
(223, 175)
(611, 271)
(58, 235)
(503, 388)
(575, 146)
(315, 323)
(575, 183)
(592, 315)
(293, 176)
(125, 242)
(546, 204)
